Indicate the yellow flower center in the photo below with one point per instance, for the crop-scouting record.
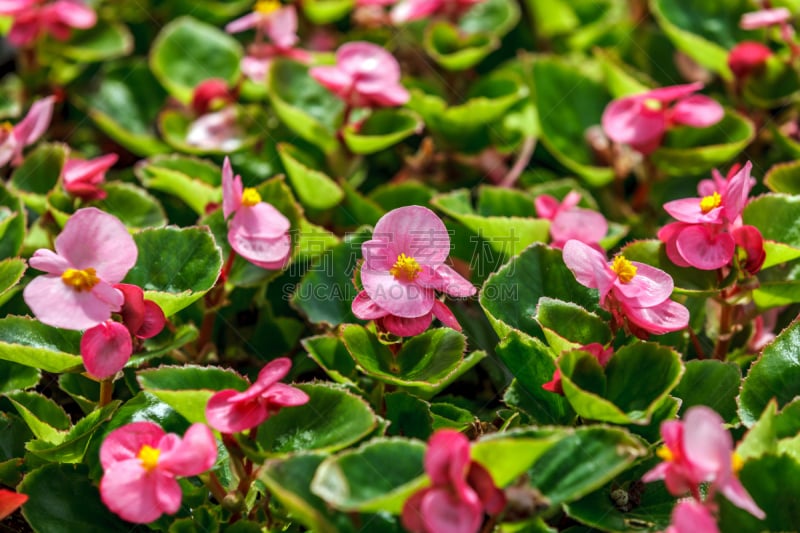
(405, 268)
(710, 202)
(665, 453)
(250, 197)
(625, 270)
(265, 7)
(652, 104)
(7, 126)
(736, 462)
(80, 280)
(149, 457)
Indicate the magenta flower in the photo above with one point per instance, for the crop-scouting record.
(82, 177)
(93, 252)
(402, 270)
(634, 293)
(33, 18)
(258, 232)
(143, 318)
(765, 18)
(602, 354)
(10, 501)
(365, 75)
(410, 10)
(747, 58)
(106, 348)
(140, 463)
(699, 450)
(642, 120)
(691, 516)
(567, 221)
(461, 490)
(210, 94)
(13, 139)
(231, 411)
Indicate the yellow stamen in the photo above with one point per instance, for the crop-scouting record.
(80, 280)
(265, 7)
(710, 202)
(405, 268)
(665, 453)
(736, 462)
(7, 126)
(250, 197)
(149, 457)
(625, 270)
(652, 104)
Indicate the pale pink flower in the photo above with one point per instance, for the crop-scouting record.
(10, 501)
(698, 450)
(231, 411)
(13, 139)
(33, 18)
(365, 75)
(402, 270)
(258, 232)
(269, 19)
(218, 130)
(105, 348)
(461, 490)
(691, 516)
(765, 18)
(631, 291)
(82, 177)
(642, 120)
(140, 463)
(93, 252)
(601, 353)
(568, 221)
(410, 10)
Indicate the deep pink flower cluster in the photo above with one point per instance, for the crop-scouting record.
(568, 221)
(402, 270)
(637, 295)
(710, 227)
(461, 490)
(82, 177)
(698, 450)
(32, 18)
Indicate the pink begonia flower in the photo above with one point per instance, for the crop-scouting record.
(33, 18)
(602, 354)
(568, 221)
(699, 450)
(93, 252)
(210, 93)
(143, 318)
(365, 75)
(747, 58)
(13, 139)
(765, 18)
(690, 516)
(82, 177)
(258, 232)
(642, 120)
(10, 501)
(709, 228)
(629, 290)
(402, 270)
(106, 348)
(409, 10)
(230, 411)
(269, 19)
(218, 130)
(461, 490)
(140, 463)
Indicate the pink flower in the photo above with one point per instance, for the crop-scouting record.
(409, 10)
(691, 516)
(709, 228)
(402, 270)
(93, 252)
(143, 318)
(365, 75)
(14, 138)
(634, 293)
(218, 130)
(32, 18)
(10, 501)
(255, 65)
(747, 58)
(461, 490)
(231, 411)
(642, 120)
(567, 221)
(699, 450)
(209, 94)
(765, 18)
(105, 348)
(140, 463)
(270, 19)
(258, 232)
(82, 177)
(602, 354)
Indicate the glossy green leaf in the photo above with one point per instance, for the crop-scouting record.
(176, 127)
(495, 16)
(382, 129)
(409, 415)
(711, 383)
(45, 418)
(772, 431)
(72, 448)
(572, 322)
(39, 173)
(776, 374)
(775, 84)
(775, 216)
(784, 178)
(327, 11)
(177, 279)
(507, 456)
(147, 407)
(14, 377)
(12, 223)
(80, 388)
(314, 188)
(455, 50)
(102, 42)
(377, 476)
(134, 206)
(330, 353)
(11, 271)
(188, 51)
(31, 343)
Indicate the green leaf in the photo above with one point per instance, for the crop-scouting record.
(394, 195)
(572, 322)
(102, 42)
(775, 375)
(327, 11)
(147, 407)
(29, 342)
(409, 416)
(14, 377)
(711, 383)
(72, 447)
(773, 430)
(314, 188)
(454, 49)
(134, 206)
(687, 150)
(45, 418)
(507, 456)
(784, 177)
(39, 173)
(188, 388)
(330, 353)
(182, 276)
(64, 500)
(83, 390)
(188, 51)
(303, 105)
(12, 223)
(775, 84)
(495, 16)
(11, 271)
(332, 419)
(378, 476)
(382, 129)
(775, 215)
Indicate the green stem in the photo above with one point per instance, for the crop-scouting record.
(724, 338)
(106, 392)
(211, 481)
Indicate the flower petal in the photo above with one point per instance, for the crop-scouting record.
(231, 189)
(416, 231)
(445, 315)
(447, 457)
(659, 319)
(36, 122)
(10, 501)
(690, 516)
(733, 489)
(130, 492)
(195, 453)
(106, 348)
(261, 221)
(650, 286)
(442, 512)
(229, 416)
(366, 309)
(406, 327)
(126, 441)
(404, 299)
(584, 225)
(698, 111)
(624, 121)
(49, 261)
(60, 306)
(443, 278)
(268, 253)
(704, 250)
(589, 266)
(688, 210)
